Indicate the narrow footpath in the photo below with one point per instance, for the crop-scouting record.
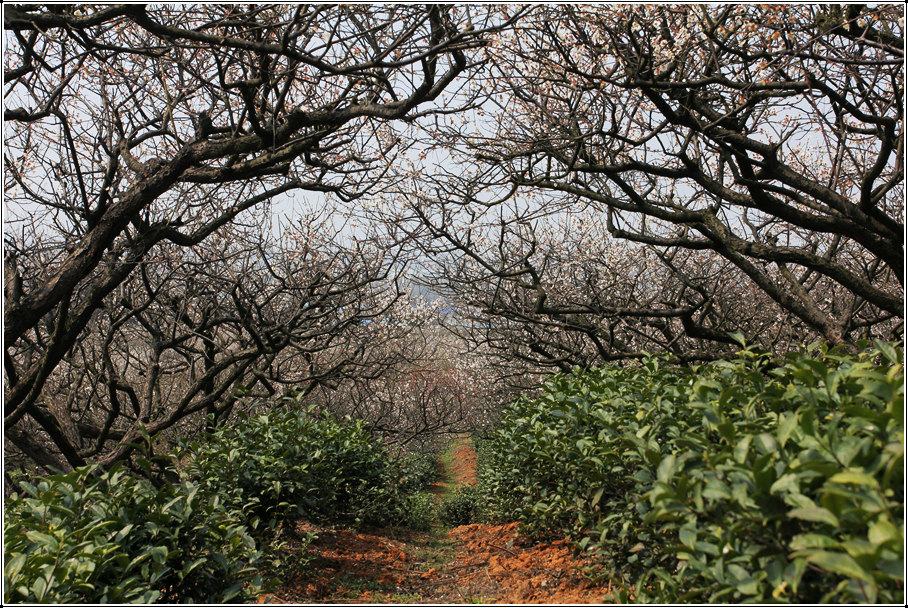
(476, 563)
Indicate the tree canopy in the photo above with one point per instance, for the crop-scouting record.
(577, 183)
(753, 153)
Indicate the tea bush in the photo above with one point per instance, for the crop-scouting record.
(417, 511)
(791, 486)
(418, 471)
(462, 507)
(757, 479)
(108, 537)
(92, 536)
(298, 462)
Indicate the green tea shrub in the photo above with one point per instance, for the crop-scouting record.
(791, 486)
(296, 462)
(751, 480)
(461, 507)
(92, 536)
(417, 511)
(418, 471)
(573, 461)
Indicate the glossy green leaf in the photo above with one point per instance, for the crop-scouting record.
(816, 514)
(839, 563)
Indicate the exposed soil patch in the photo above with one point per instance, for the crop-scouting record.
(478, 563)
(521, 572)
(463, 464)
(350, 567)
(460, 471)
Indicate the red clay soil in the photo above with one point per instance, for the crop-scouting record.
(462, 470)
(345, 565)
(522, 572)
(463, 464)
(477, 563)
(490, 564)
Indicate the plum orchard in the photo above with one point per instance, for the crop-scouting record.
(143, 145)
(611, 180)
(608, 180)
(746, 160)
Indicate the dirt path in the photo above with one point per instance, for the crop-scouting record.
(478, 563)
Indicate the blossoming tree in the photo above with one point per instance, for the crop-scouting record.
(676, 174)
(139, 139)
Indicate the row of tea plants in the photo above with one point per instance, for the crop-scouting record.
(96, 536)
(754, 480)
